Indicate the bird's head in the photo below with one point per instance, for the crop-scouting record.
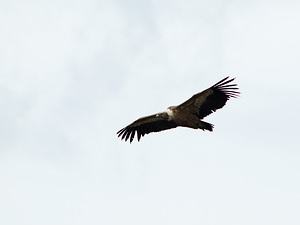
(163, 115)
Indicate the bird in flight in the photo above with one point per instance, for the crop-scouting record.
(188, 114)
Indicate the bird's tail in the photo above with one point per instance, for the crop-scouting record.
(206, 126)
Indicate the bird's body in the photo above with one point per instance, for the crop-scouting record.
(188, 114)
(186, 118)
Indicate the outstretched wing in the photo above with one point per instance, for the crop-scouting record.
(145, 125)
(211, 99)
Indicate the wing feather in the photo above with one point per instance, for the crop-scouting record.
(211, 99)
(145, 125)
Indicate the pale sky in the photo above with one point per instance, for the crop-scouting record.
(75, 72)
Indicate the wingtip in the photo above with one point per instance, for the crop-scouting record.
(229, 89)
(127, 134)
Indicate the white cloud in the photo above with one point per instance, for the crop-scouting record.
(73, 73)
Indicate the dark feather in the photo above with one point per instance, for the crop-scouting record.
(211, 99)
(145, 125)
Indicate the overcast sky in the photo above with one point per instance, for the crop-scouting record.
(75, 72)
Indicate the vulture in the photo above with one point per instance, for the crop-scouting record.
(188, 114)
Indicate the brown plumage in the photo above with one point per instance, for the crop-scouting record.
(188, 114)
